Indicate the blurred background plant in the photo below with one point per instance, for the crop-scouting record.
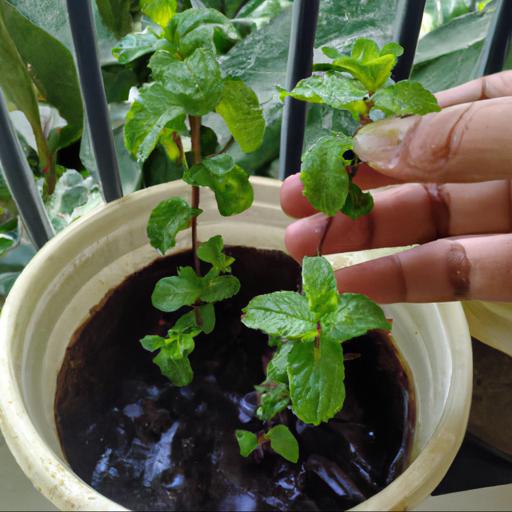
(44, 96)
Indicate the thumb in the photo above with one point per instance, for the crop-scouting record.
(462, 143)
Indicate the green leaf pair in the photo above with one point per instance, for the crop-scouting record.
(229, 182)
(315, 324)
(282, 441)
(187, 288)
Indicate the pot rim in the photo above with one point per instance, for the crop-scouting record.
(57, 482)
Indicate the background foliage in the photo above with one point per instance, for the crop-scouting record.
(452, 35)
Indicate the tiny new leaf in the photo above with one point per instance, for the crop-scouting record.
(178, 371)
(405, 98)
(316, 375)
(229, 182)
(283, 313)
(319, 285)
(274, 398)
(148, 117)
(324, 174)
(247, 442)
(358, 203)
(172, 293)
(152, 343)
(212, 252)
(241, 111)
(133, 46)
(160, 11)
(166, 220)
(355, 315)
(283, 442)
(195, 84)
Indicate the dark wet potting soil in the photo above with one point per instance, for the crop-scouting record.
(151, 446)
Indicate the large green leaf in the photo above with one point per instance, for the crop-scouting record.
(172, 293)
(153, 111)
(167, 219)
(16, 83)
(316, 377)
(284, 314)
(324, 174)
(51, 16)
(229, 182)
(51, 67)
(195, 83)
(242, 113)
(319, 285)
(116, 15)
(447, 56)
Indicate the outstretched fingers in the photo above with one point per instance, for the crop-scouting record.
(476, 267)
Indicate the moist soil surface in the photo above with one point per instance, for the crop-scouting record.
(151, 446)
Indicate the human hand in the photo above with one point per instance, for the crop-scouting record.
(459, 204)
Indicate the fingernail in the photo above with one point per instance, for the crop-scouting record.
(380, 143)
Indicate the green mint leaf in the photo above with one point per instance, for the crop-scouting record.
(283, 314)
(371, 66)
(178, 371)
(207, 313)
(392, 49)
(358, 203)
(330, 52)
(201, 28)
(229, 182)
(277, 368)
(274, 398)
(195, 84)
(172, 293)
(212, 252)
(186, 324)
(152, 343)
(116, 16)
(179, 345)
(319, 285)
(219, 288)
(283, 442)
(167, 219)
(405, 98)
(160, 11)
(356, 315)
(275, 341)
(247, 441)
(316, 378)
(324, 175)
(148, 116)
(133, 46)
(241, 111)
(331, 88)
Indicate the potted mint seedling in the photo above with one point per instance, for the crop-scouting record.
(221, 375)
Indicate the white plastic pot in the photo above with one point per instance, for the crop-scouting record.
(75, 270)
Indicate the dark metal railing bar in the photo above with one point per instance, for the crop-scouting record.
(407, 34)
(300, 62)
(84, 38)
(495, 46)
(21, 183)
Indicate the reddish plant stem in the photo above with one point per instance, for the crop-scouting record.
(327, 226)
(195, 129)
(195, 132)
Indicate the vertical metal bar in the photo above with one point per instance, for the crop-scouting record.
(84, 38)
(300, 62)
(20, 181)
(495, 46)
(406, 34)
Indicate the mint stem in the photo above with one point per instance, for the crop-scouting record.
(195, 129)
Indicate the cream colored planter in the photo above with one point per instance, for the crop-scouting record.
(78, 267)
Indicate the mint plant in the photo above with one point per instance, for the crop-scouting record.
(306, 372)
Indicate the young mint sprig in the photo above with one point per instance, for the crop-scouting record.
(281, 441)
(314, 325)
(361, 84)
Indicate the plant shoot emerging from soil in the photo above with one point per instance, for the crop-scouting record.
(306, 330)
